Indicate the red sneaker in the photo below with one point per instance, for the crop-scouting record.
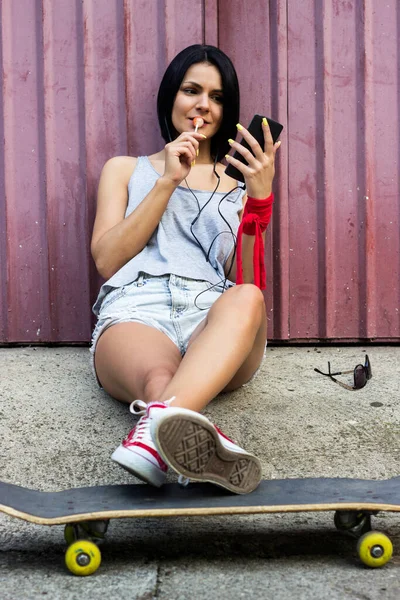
(189, 443)
(137, 453)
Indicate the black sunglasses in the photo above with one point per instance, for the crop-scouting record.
(362, 373)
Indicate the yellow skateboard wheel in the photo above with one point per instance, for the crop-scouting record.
(83, 558)
(374, 549)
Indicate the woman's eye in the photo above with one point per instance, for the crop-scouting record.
(192, 92)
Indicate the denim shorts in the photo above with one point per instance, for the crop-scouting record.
(174, 305)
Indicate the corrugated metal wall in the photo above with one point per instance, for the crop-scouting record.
(79, 86)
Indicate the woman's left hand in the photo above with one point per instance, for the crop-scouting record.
(260, 170)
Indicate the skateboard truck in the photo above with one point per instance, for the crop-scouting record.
(355, 523)
(93, 530)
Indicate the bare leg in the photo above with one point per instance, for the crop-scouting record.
(135, 361)
(225, 350)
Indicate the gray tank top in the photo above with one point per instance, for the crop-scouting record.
(172, 247)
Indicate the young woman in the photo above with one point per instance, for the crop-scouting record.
(173, 330)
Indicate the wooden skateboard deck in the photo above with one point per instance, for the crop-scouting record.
(354, 499)
(116, 501)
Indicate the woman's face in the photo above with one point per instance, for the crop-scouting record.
(200, 95)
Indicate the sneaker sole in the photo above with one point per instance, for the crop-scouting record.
(127, 459)
(192, 448)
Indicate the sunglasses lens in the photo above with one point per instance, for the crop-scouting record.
(368, 367)
(360, 377)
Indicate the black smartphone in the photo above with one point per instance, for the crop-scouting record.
(255, 128)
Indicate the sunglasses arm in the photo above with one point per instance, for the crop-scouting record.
(330, 375)
(343, 372)
(348, 387)
(321, 373)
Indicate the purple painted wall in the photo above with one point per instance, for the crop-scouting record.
(79, 86)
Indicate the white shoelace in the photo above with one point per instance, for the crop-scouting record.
(142, 430)
(138, 408)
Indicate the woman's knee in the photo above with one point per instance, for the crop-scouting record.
(249, 293)
(156, 380)
(248, 301)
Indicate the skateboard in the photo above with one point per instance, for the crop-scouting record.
(86, 511)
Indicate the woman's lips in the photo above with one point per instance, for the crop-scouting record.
(198, 122)
(202, 122)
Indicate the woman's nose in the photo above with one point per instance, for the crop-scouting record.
(203, 102)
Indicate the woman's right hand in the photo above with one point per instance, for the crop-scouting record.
(180, 154)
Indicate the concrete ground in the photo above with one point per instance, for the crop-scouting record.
(57, 430)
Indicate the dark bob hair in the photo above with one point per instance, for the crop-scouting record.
(172, 80)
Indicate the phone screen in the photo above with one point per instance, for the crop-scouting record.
(255, 128)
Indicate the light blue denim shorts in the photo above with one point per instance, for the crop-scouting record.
(174, 305)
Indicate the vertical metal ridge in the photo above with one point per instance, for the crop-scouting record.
(51, 179)
(321, 75)
(327, 270)
(203, 21)
(370, 197)
(169, 31)
(9, 153)
(360, 167)
(92, 149)
(210, 22)
(184, 25)
(128, 68)
(280, 223)
(83, 327)
(304, 69)
(161, 35)
(3, 218)
(43, 328)
(398, 155)
(218, 21)
(144, 71)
